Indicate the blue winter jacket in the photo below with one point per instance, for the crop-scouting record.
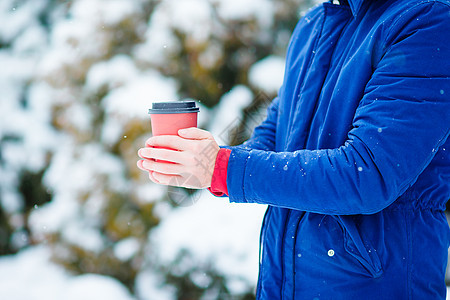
(353, 158)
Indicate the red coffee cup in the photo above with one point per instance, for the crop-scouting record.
(169, 117)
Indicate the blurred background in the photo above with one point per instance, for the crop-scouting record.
(78, 220)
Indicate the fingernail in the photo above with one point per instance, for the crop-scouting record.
(144, 164)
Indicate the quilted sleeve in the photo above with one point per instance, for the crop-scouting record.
(264, 135)
(401, 121)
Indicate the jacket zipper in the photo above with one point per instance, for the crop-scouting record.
(300, 218)
(283, 275)
(261, 249)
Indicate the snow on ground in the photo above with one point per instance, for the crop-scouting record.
(213, 229)
(30, 275)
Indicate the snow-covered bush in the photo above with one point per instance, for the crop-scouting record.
(76, 81)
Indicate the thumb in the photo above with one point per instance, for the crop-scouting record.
(194, 133)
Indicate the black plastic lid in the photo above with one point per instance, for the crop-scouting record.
(173, 107)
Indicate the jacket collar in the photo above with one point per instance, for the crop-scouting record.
(355, 6)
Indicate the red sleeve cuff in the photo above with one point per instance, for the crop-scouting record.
(219, 178)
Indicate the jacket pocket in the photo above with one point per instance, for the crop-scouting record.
(358, 246)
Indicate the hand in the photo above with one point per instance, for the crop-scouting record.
(188, 163)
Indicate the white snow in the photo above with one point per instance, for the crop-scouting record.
(18, 17)
(79, 116)
(267, 74)
(134, 99)
(53, 216)
(126, 248)
(94, 287)
(150, 286)
(262, 10)
(83, 236)
(107, 12)
(11, 202)
(214, 229)
(77, 168)
(78, 40)
(15, 68)
(31, 275)
(149, 192)
(211, 55)
(228, 113)
(113, 73)
(32, 40)
(159, 41)
(193, 17)
(74, 172)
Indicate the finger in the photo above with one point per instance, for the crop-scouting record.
(194, 133)
(140, 166)
(173, 180)
(161, 154)
(161, 167)
(151, 175)
(167, 179)
(168, 141)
